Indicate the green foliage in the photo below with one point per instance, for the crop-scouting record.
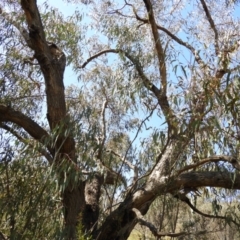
(30, 202)
(117, 122)
(81, 235)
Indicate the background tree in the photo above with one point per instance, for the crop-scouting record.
(155, 113)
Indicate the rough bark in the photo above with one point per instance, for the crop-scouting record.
(52, 63)
(122, 221)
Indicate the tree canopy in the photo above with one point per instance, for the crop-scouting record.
(116, 109)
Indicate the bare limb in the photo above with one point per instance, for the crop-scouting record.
(205, 179)
(152, 228)
(162, 96)
(193, 180)
(36, 32)
(162, 99)
(27, 142)
(142, 197)
(158, 46)
(217, 158)
(147, 83)
(212, 24)
(37, 132)
(98, 55)
(195, 53)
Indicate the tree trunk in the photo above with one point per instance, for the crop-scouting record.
(74, 204)
(91, 211)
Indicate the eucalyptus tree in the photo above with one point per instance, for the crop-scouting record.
(155, 110)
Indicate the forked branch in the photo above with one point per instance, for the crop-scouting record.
(161, 97)
(195, 53)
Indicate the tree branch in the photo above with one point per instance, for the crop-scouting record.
(36, 32)
(100, 150)
(212, 24)
(142, 197)
(205, 179)
(27, 142)
(199, 60)
(158, 46)
(218, 158)
(152, 228)
(162, 99)
(51, 60)
(162, 96)
(160, 184)
(37, 132)
(147, 83)
(185, 199)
